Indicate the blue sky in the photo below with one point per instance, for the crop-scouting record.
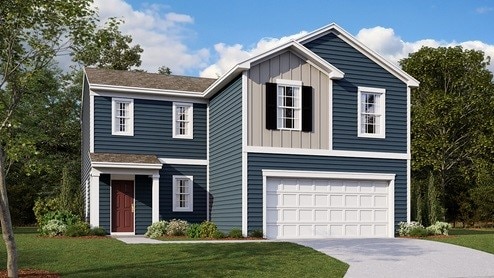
(207, 37)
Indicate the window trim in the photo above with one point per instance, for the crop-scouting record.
(190, 111)
(297, 125)
(190, 207)
(382, 121)
(130, 131)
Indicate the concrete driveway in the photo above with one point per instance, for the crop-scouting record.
(399, 257)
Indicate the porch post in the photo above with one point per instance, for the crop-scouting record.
(94, 199)
(156, 198)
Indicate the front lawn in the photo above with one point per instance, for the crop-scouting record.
(480, 239)
(106, 257)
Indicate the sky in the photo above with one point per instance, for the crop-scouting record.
(208, 37)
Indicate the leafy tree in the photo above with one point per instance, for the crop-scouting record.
(164, 70)
(110, 49)
(450, 133)
(33, 32)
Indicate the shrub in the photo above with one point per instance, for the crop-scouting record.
(80, 228)
(97, 231)
(218, 234)
(256, 233)
(439, 228)
(157, 229)
(194, 230)
(207, 229)
(235, 233)
(406, 228)
(44, 206)
(177, 227)
(418, 232)
(54, 227)
(64, 216)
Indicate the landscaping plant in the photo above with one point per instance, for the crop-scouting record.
(157, 229)
(208, 229)
(177, 227)
(235, 233)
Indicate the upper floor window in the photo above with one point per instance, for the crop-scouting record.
(183, 120)
(371, 112)
(183, 193)
(122, 116)
(288, 105)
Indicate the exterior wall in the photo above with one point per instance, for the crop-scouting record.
(225, 156)
(258, 162)
(104, 202)
(143, 203)
(361, 71)
(152, 130)
(199, 190)
(287, 66)
(85, 126)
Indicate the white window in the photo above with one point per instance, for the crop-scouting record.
(182, 120)
(289, 104)
(183, 194)
(371, 112)
(123, 116)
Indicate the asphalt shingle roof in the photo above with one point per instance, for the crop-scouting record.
(124, 158)
(147, 80)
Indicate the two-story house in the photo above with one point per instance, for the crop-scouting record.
(310, 139)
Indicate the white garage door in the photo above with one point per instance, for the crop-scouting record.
(320, 208)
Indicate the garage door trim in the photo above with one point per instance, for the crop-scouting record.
(330, 175)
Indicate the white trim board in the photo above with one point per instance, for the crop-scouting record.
(180, 161)
(179, 98)
(122, 165)
(244, 155)
(329, 153)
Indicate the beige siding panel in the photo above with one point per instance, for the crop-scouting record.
(287, 66)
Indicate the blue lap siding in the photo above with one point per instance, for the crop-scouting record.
(143, 203)
(361, 71)
(225, 156)
(198, 172)
(152, 130)
(104, 202)
(258, 162)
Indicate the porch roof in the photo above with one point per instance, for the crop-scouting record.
(125, 160)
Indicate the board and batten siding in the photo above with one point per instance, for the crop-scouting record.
(361, 71)
(143, 203)
(198, 172)
(86, 140)
(287, 66)
(225, 156)
(152, 130)
(259, 162)
(104, 202)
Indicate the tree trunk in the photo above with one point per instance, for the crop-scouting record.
(7, 231)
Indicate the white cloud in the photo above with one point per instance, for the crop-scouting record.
(385, 42)
(161, 35)
(230, 55)
(484, 10)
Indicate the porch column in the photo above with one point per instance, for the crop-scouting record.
(94, 199)
(156, 198)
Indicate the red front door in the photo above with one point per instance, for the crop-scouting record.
(122, 206)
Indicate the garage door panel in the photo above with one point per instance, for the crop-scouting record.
(319, 208)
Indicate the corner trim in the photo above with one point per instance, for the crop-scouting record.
(183, 161)
(245, 211)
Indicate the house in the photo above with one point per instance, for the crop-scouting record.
(310, 139)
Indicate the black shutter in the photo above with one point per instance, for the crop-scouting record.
(307, 108)
(271, 106)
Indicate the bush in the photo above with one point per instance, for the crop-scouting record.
(207, 229)
(66, 217)
(439, 228)
(256, 233)
(406, 228)
(54, 227)
(194, 230)
(157, 229)
(97, 231)
(419, 232)
(80, 228)
(218, 234)
(44, 206)
(177, 227)
(235, 233)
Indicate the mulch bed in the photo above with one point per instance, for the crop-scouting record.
(173, 238)
(28, 272)
(75, 237)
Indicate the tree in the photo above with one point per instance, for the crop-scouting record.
(164, 70)
(33, 33)
(450, 133)
(110, 49)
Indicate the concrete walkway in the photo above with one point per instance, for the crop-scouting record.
(146, 240)
(399, 257)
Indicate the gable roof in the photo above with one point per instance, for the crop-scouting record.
(107, 78)
(369, 53)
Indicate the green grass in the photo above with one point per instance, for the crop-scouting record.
(74, 257)
(480, 239)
